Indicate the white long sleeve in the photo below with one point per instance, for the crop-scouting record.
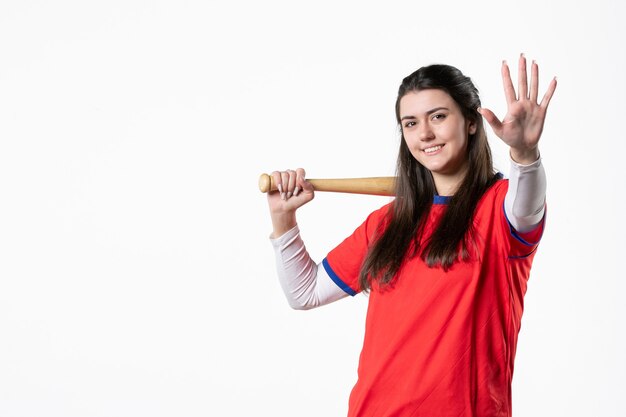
(524, 203)
(306, 284)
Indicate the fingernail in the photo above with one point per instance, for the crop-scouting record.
(289, 194)
(280, 188)
(296, 191)
(283, 196)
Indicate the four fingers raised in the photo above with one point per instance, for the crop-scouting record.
(522, 83)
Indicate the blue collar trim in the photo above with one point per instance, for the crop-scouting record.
(441, 199)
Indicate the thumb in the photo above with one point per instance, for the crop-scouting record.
(301, 180)
(491, 118)
(306, 186)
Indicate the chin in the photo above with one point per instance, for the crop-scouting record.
(435, 168)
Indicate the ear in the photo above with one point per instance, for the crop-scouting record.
(472, 128)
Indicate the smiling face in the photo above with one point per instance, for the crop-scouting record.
(436, 134)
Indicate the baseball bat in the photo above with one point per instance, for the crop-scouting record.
(371, 186)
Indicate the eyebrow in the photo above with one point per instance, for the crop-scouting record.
(429, 112)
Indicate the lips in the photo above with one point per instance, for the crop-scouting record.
(433, 149)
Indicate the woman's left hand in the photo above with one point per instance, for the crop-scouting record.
(522, 126)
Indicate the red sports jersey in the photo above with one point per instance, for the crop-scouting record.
(441, 343)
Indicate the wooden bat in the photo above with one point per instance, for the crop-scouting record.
(372, 186)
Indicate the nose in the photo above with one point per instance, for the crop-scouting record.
(425, 133)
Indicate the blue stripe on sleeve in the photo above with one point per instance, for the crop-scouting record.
(336, 279)
(524, 256)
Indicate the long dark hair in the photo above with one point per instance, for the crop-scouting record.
(400, 235)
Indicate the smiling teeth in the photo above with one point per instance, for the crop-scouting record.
(433, 149)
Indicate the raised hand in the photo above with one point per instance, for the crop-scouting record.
(523, 123)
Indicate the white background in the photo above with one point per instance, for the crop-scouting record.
(136, 275)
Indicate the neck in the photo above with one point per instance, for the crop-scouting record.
(448, 184)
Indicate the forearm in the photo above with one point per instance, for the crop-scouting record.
(524, 204)
(306, 285)
(282, 223)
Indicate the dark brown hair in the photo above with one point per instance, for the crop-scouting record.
(401, 236)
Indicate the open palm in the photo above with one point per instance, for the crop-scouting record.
(523, 123)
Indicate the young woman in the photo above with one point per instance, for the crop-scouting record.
(446, 263)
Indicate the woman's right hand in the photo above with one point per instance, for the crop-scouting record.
(293, 192)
